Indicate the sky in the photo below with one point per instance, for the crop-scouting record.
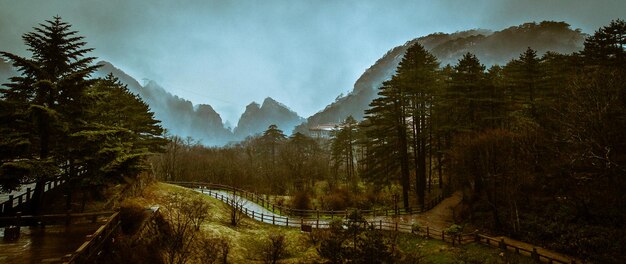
(228, 53)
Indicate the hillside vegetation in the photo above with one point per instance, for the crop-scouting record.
(249, 238)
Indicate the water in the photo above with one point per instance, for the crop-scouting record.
(45, 244)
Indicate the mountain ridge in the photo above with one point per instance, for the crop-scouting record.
(487, 45)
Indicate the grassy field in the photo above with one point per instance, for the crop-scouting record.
(249, 236)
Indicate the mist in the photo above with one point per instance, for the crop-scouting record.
(301, 53)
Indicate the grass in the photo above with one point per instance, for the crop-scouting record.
(436, 251)
(249, 236)
(246, 239)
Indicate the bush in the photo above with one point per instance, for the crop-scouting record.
(362, 202)
(416, 228)
(213, 250)
(275, 249)
(454, 230)
(301, 201)
(132, 216)
(339, 200)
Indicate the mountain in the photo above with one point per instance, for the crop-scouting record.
(490, 47)
(257, 118)
(6, 71)
(179, 116)
(201, 122)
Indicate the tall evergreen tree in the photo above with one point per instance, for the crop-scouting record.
(418, 74)
(525, 76)
(343, 147)
(401, 117)
(387, 131)
(49, 95)
(466, 89)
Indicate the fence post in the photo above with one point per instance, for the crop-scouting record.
(427, 232)
(380, 224)
(262, 218)
(27, 194)
(18, 216)
(253, 216)
(396, 226)
(67, 217)
(287, 222)
(502, 245)
(534, 255)
(10, 203)
(317, 223)
(273, 219)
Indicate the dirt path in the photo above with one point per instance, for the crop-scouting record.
(439, 217)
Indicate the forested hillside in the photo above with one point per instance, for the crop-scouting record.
(536, 146)
(490, 47)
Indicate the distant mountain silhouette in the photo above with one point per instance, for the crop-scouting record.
(490, 47)
(179, 116)
(257, 118)
(6, 71)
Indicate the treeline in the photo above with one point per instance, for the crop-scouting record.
(55, 120)
(267, 163)
(537, 146)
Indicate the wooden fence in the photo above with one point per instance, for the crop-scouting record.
(285, 210)
(314, 219)
(52, 219)
(95, 242)
(15, 203)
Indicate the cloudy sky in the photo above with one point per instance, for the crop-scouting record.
(228, 53)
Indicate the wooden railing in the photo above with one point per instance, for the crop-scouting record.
(319, 222)
(285, 210)
(18, 202)
(52, 219)
(91, 247)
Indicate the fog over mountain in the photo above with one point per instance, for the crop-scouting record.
(202, 122)
(301, 53)
(257, 119)
(491, 48)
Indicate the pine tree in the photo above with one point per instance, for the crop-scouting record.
(387, 130)
(401, 117)
(120, 131)
(272, 140)
(49, 96)
(607, 46)
(418, 74)
(525, 76)
(467, 88)
(343, 146)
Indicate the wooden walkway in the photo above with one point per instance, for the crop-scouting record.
(47, 244)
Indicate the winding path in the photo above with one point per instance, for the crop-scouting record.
(438, 219)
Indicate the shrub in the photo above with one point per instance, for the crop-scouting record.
(132, 216)
(275, 249)
(213, 250)
(416, 228)
(454, 230)
(335, 202)
(339, 200)
(301, 201)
